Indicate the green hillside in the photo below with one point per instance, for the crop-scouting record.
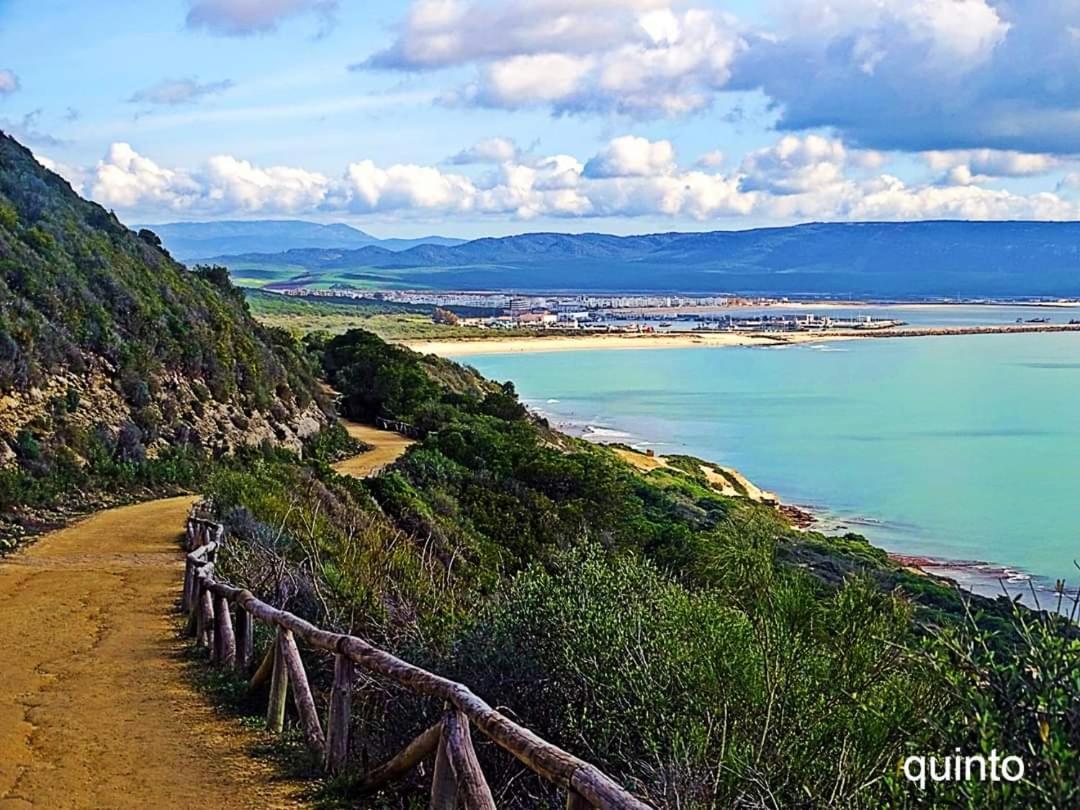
(115, 359)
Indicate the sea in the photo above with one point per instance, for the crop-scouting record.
(962, 451)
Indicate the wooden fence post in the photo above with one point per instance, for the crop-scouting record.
(302, 698)
(196, 611)
(206, 620)
(189, 580)
(279, 687)
(339, 715)
(245, 641)
(224, 638)
(192, 628)
(471, 785)
(265, 668)
(443, 784)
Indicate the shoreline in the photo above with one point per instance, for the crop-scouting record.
(980, 577)
(466, 346)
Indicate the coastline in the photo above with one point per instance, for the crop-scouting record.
(987, 579)
(462, 347)
(609, 341)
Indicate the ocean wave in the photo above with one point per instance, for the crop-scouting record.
(594, 432)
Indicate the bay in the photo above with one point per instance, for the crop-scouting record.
(960, 448)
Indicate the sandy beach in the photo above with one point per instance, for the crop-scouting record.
(632, 340)
(462, 347)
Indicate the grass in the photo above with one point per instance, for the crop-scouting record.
(390, 321)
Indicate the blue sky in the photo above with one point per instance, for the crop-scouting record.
(470, 117)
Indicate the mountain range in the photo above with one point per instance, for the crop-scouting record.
(191, 241)
(874, 259)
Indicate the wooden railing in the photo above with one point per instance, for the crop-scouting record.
(457, 779)
(397, 426)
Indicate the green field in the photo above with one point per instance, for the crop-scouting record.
(390, 321)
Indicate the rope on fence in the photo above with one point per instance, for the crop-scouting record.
(457, 779)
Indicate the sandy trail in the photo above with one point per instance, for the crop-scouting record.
(95, 707)
(387, 448)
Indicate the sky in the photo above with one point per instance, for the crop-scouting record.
(487, 117)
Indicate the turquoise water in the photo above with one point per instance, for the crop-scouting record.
(966, 448)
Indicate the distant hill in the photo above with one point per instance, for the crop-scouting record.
(198, 240)
(110, 351)
(873, 259)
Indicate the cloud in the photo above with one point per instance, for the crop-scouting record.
(9, 82)
(970, 166)
(370, 188)
(794, 165)
(238, 18)
(919, 75)
(712, 159)
(909, 75)
(639, 57)
(631, 156)
(171, 92)
(489, 150)
(127, 180)
(27, 129)
(795, 179)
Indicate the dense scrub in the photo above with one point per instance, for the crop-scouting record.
(118, 366)
(694, 645)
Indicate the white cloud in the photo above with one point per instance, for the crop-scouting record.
(958, 34)
(406, 186)
(640, 57)
(712, 159)
(127, 180)
(1069, 181)
(178, 91)
(9, 82)
(795, 179)
(631, 156)
(910, 75)
(246, 17)
(532, 78)
(794, 165)
(970, 166)
(889, 198)
(489, 150)
(919, 75)
(239, 186)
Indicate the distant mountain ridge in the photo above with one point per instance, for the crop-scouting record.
(881, 259)
(198, 240)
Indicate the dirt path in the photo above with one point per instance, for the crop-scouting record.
(387, 448)
(95, 708)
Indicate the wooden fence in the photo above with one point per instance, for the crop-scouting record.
(457, 779)
(397, 426)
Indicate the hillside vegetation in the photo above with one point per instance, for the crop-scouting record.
(694, 645)
(116, 363)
